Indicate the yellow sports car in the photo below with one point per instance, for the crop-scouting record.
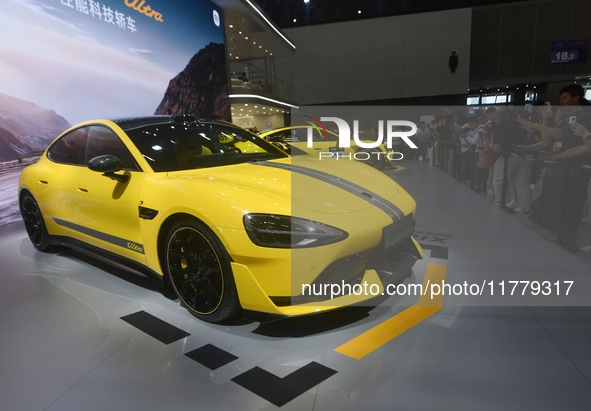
(227, 219)
(326, 142)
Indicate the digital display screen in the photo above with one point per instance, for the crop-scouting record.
(569, 51)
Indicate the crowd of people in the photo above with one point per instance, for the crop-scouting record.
(506, 152)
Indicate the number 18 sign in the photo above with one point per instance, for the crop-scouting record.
(570, 51)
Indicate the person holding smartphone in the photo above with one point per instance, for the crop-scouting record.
(565, 183)
(507, 135)
(584, 152)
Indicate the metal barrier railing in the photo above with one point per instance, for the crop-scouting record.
(558, 208)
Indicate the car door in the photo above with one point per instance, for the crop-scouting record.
(108, 209)
(56, 183)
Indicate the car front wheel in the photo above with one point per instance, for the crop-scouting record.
(199, 271)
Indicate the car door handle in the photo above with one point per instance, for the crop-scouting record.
(83, 189)
(43, 182)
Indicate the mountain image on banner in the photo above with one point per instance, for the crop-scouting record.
(201, 89)
(25, 127)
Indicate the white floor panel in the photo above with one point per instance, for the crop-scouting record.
(484, 363)
(64, 346)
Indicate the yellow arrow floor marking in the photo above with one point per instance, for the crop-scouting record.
(379, 335)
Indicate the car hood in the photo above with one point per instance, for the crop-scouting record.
(327, 186)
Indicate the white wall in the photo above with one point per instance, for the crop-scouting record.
(385, 58)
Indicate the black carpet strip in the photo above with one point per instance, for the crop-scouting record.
(155, 327)
(211, 356)
(280, 391)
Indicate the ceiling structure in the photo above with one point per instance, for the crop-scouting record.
(249, 34)
(252, 27)
(296, 13)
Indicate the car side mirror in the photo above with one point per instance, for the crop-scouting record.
(108, 164)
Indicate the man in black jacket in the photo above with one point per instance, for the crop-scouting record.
(507, 133)
(565, 183)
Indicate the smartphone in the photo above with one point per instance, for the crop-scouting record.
(547, 106)
(572, 120)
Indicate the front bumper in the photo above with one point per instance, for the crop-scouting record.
(374, 269)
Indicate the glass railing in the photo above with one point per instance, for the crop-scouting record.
(246, 77)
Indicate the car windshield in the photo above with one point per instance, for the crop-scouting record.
(173, 146)
(300, 134)
(285, 137)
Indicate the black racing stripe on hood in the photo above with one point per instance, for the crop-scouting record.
(376, 200)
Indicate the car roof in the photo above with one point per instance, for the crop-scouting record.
(135, 122)
(289, 128)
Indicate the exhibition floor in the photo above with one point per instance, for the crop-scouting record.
(79, 335)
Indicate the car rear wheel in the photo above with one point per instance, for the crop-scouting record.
(34, 223)
(199, 271)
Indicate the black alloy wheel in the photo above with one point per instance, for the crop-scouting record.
(34, 223)
(199, 271)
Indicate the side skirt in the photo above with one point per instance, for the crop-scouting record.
(109, 258)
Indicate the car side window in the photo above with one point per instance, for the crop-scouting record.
(101, 141)
(68, 149)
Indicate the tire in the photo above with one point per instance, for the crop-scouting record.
(34, 223)
(198, 268)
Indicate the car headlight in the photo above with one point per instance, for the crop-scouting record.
(280, 231)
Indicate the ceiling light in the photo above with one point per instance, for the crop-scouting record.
(231, 26)
(249, 2)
